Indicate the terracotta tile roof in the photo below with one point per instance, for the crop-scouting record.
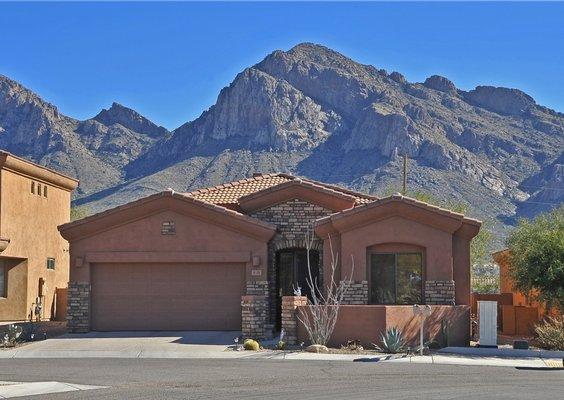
(228, 194)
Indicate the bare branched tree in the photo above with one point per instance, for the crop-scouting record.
(320, 316)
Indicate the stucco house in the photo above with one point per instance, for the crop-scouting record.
(519, 312)
(34, 257)
(222, 258)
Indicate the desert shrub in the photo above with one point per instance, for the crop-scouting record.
(250, 344)
(391, 342)
(550, 333)
(281, 345)
(352, 345)
(11, 336)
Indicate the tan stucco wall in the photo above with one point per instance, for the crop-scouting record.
(194, 237)
(30, 222)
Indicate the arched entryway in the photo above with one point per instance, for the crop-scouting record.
(293, 272)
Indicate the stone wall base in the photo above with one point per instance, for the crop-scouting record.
(440, 292)
(78, 307)
(356, 293)
(254, 316)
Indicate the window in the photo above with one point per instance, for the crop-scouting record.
(44, 190)
(396, 278)
(3, 279)
(50, 263)
(32, 187)
(39, 189)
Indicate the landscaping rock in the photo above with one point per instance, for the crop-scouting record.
(317, 348)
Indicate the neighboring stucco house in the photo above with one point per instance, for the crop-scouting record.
(519, 313)
(221, 258)
(34, 258)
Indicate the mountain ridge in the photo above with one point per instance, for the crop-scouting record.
(314, 112)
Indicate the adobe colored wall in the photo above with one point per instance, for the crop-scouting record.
(143, 236)
(30, 221)
(397, 230)
(367, 322)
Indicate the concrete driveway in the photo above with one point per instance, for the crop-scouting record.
(191, 344)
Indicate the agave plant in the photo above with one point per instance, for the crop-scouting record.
(392, 342)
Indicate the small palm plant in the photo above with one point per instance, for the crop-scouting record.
(392, 342)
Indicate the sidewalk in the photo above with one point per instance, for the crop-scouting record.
(214, 345)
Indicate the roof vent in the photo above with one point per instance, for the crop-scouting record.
(257, 174)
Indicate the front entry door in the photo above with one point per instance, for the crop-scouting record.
(292, 271)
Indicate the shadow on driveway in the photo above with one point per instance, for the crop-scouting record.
(225, 338)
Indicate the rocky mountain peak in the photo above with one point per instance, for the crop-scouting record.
(440, 83)
(314, 112)
(131, 119)
(501, 100)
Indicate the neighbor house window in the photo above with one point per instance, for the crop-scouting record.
(396, 278)
(32, 187)
(3, 278)
(50, 263)
(44, 191)
(39, 189)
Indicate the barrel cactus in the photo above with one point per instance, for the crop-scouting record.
(250, 344)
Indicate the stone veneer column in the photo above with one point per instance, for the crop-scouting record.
(78, 308)
(257, 288)
(254, 316)
(356, 293)
(294, 221)
(290, 306)
(440, 292)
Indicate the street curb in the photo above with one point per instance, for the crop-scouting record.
(502, 353)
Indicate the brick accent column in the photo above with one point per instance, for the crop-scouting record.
(254, 316)
(78, 307)
(440, 292)
(290, 306)
(356, 293)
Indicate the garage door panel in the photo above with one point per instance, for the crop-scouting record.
(167, 296)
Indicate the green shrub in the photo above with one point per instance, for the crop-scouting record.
(250, 344)
(281, 345)
(550, 333)
(392, 342)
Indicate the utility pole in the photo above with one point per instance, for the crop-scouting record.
(404, 192)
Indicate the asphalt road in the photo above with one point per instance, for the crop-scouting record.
(264, 379)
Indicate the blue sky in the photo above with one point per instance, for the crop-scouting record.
(169, 61)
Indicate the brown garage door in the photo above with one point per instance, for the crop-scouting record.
(167, 296)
